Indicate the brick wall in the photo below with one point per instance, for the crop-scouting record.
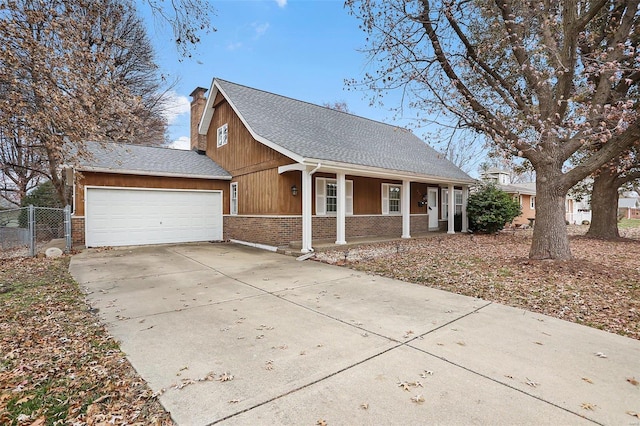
(77, 231)
(281, 230)
(273, 231)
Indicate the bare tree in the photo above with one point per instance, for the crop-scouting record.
(187, 18)
(542, 79)
(607, 182)
(338, 106)
(72, 71)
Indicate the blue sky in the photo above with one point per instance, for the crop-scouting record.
(303, 49)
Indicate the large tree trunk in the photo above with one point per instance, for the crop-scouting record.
(550, 239)
(604, 206)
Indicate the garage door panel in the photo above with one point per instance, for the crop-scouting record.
(116, 217)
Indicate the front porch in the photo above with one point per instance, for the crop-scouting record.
(293, 249)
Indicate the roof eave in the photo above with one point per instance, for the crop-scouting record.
(332, 166)
(148, 173)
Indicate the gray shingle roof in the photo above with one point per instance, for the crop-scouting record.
(121, 157)
(315, 132)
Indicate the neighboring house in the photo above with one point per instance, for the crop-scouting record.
(525, 193)
(268, 170)
(629, 207)
(577, 211)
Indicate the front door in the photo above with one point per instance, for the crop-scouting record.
(433, 208)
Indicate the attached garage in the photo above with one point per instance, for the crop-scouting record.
(137, 195)
(133, 216)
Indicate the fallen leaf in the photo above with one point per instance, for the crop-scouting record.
(600, 355)
(404, 385)
(588, 406)
(634, 414)
(225, 377)
(531, 383)
(321, 422)
(40, 421)
(633, 381)
(233, 401)
(588, 380)
(364, 406)
(419, 399)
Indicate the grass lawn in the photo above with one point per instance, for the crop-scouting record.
(58, 365)
(600, 288)
(629, 223)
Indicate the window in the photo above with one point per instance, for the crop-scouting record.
(234, 199)
(327, 196)
(391, 199)
(222, 135)
(445, 203)
(532, 203)
(457, 200)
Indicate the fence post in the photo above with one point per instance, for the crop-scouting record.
(67, 228)
(32, 230)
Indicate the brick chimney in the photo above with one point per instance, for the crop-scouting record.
(198, 141)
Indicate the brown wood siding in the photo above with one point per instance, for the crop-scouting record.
(418, 193)
(268, 193)
(242, 154)
(135, 181)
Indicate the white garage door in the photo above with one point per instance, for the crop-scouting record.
(124, 216)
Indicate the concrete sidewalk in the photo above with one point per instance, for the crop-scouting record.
(308, 342)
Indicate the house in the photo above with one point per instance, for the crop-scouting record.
(629, 207)
(268, 170)
(578, 211)
(525, 193)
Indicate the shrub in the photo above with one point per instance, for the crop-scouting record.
(490, 208)
(44, 195)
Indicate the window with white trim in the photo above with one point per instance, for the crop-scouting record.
(233, 209)
(391, 199)
(327, 197)
(223, 135)
(457, 199)
(532, 202)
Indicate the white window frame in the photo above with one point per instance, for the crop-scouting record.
(386, 197)
(321, 196)
(532, 202)
(222, 135)
(233, 199)
(457, 196)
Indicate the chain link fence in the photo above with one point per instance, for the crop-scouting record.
(28, 231)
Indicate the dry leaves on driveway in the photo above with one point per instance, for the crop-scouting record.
(599, 288)
(58, 365)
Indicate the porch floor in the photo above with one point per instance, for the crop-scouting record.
(293, 249)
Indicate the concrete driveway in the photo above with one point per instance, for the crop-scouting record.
(306, 342)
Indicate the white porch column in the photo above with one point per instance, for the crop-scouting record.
(406, 209)
(452, 210)
(341, 208)
(306, 211)
(465, 197)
